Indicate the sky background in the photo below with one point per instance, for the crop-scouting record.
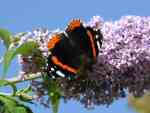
(25, 15)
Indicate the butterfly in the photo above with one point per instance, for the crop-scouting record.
(72, 49)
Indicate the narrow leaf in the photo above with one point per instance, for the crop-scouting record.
(22, 109)
(25, 90)
(10, 105)
(55, 100)
(23, 94)
(5, 35)
(2, 107)
(54, 93)
(9, 55)
(25, 49)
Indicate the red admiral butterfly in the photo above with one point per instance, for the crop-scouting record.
(76, 46)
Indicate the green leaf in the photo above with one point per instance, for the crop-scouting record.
(5, 35)
(9, 55)
(2, 107)
(23, 94)
(22, 109)
(55, 100)
(25, 97)
(54, 93)
(10, 105)
(25, 90)
(25, 49)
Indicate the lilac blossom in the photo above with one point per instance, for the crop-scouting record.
(126, 41)
(123, 64)
(95, 22)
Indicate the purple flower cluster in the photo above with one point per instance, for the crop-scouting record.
(126, 41)
(122, 65)
(95, 22)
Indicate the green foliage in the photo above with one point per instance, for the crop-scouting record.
(140, 104)
(9, 55)
(25, 90)
(6, 36)
(23, 94)
(24, 49)
(54, 92)
(55, 100)
(10, 105)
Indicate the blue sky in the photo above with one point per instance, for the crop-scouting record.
(24, 15)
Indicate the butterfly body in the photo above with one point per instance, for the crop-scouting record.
(70, 50)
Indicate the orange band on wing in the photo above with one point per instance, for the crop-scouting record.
(92, 44)
(74, 24)
(65, 67)
(51, 43)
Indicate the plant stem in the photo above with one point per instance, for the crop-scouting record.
(19, 79)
